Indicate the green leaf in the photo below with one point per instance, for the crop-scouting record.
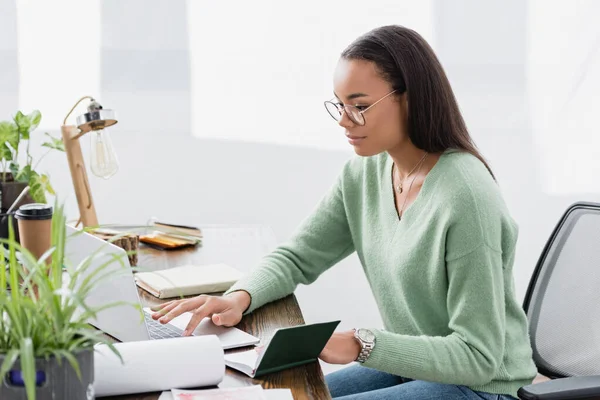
(5, 152)
(9, 133)
(92, 336)
(38, 186)
(28, 366)
(46, 183)
(9, 361)
(54, 143)
(13, 263)
(24, 175)
(45, 323)
(2, 279)
(34, 119)
(6, 130)
(59, 239)
(14, 168)
(23, 124)
(71, 359)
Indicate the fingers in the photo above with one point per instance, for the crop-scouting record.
(210, 306)
(162, 309)
(219, 309)
(181, 307)
(161, 306)
(197, 317)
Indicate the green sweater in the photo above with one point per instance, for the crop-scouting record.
(441, 276)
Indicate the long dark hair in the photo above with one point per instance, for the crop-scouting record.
(408, 63)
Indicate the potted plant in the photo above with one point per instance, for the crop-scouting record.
(46, 346)
(17, 166)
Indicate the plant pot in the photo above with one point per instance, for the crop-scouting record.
(9, 191)
(54, 381)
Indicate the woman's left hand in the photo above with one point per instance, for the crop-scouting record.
(342, 348)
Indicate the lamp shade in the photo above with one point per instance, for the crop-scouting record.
(95, 118)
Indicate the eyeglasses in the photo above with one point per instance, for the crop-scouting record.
(355, 113)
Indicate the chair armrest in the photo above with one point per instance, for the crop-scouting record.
(576, 387)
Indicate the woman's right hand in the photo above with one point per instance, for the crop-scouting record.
(223, 310)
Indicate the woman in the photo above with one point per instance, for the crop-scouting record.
(426, 217)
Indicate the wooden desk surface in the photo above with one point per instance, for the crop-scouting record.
(241, 247)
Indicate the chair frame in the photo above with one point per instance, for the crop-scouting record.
(569, 387)
(533, 282)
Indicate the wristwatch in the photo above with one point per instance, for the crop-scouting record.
(366, 339)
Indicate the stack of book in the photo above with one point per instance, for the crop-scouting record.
(171, 236)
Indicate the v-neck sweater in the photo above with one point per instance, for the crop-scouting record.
(442, 276)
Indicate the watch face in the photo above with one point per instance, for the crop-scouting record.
(366, 335)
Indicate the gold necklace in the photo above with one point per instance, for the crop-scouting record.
(401, 213)
(400, 186)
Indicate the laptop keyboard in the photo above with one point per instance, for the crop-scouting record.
(160, 331)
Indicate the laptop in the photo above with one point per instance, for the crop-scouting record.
(123, 322)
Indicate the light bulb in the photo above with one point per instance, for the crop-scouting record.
(104, 161)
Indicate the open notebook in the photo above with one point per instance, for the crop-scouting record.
(188, 280)
(290, 347)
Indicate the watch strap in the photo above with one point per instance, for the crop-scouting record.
(366, 348)
(365, 352)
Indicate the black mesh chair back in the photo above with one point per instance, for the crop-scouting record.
(563, 299)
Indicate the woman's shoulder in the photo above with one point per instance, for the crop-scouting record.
(468, 185)
(466, 175)
(466, 167)
(474, 203)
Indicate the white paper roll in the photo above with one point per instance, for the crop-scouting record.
(155, 365)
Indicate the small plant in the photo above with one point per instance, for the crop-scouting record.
(45, 313)
(13, 135)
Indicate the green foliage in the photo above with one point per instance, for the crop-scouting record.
(54, 143)
(44, 303)
(15, 134)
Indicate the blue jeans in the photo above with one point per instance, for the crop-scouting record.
(360, 383)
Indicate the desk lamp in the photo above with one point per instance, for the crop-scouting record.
(103, 160)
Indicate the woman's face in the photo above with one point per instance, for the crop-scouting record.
(357, 83)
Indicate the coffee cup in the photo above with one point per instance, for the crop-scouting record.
(35, 227)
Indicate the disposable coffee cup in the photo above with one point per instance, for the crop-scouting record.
(35, 226)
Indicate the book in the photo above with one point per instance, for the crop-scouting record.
(168, 241)
(289, 347)
(188, 280)
(179, 229)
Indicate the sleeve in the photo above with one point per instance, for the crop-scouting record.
(473, 351)
(322, 240)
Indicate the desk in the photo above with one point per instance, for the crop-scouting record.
(241, 247)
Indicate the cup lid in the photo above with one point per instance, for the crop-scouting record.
(34, 211)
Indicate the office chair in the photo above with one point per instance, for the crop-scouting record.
(563, 308)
